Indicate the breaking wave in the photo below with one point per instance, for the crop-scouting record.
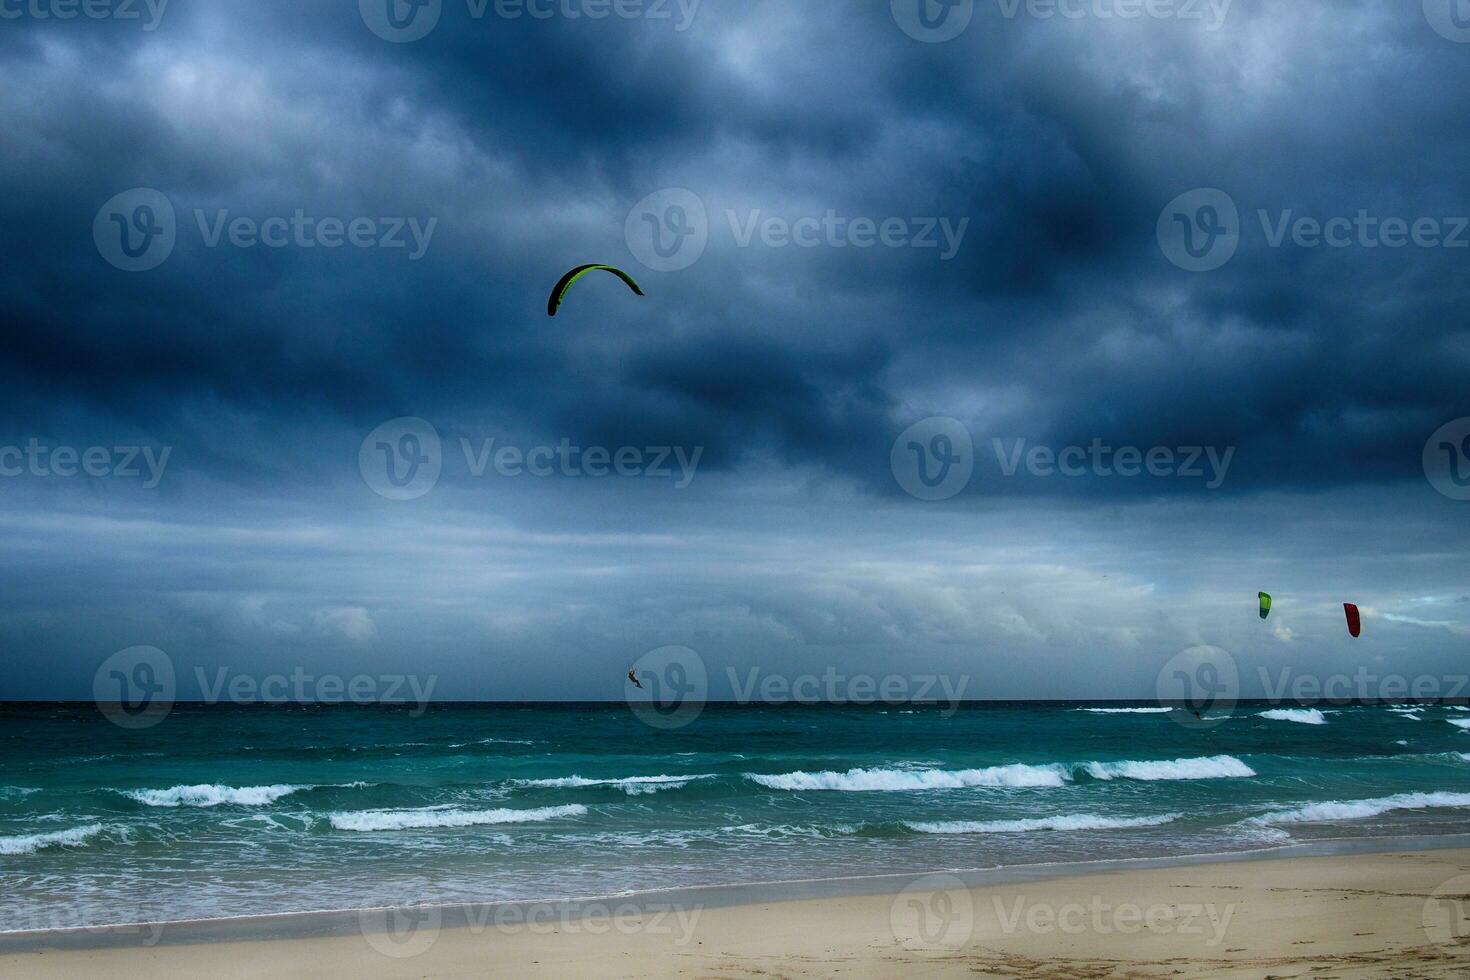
(1302, 716)
(31, 843)
(1206, 767)
(901, 780)
(1080, 821)
(206, 794)
(1358, 809)
(366, 821)
(632, 785)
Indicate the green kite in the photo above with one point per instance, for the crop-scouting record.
(566, 281)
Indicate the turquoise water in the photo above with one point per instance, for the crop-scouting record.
(230, 810)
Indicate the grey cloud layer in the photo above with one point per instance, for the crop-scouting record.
(1058, 320)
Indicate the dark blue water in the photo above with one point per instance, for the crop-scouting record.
(227, 810)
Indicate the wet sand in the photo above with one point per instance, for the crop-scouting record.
(1401, 915)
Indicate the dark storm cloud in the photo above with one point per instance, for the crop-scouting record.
(1048, 149)
(1056, 142)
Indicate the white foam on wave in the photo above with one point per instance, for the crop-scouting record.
(1015, 775)
(632, 785)
(1126, 711)
(16, 792)
(1080, 821)
(1302, 716)
(206, 795)
(1204, 767)
(1358, 809)
(31, 843)
(1410, 713)
(1459, 722)
(903, 780)
(366, 821)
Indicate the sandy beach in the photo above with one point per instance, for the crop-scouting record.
(1359, 915)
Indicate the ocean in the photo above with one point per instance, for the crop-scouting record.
(232, 810)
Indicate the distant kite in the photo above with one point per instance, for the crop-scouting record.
(1265, 604)
(1354, 620)
(565, 283)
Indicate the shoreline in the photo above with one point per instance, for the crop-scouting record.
(306, 925)
(1358, 913)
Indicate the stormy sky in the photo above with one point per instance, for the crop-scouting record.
(284, 266)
